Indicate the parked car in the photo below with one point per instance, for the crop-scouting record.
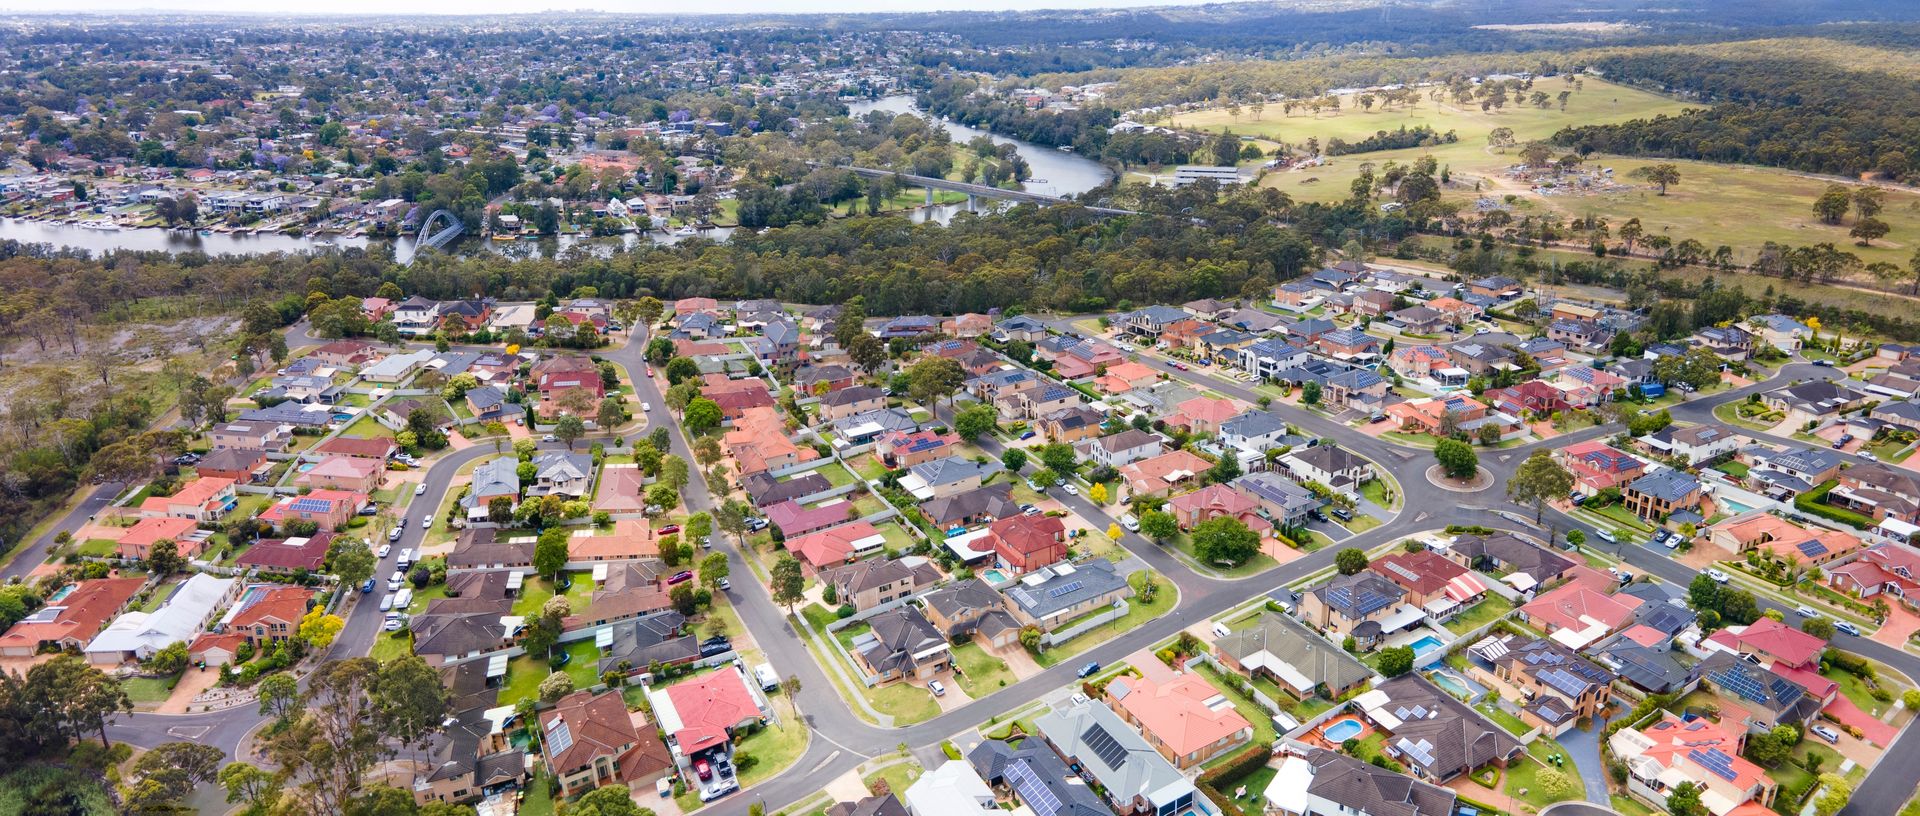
(1847, 627)
(1088, 670)
(420, 489)
(383, 551)
(426, 522)
(671, 528)
(715, 645)
(366, 587)
(395, 580)
(1071, 490)
(1026, 435)
(1823, 363)
(392, 625)
(1718, 576)
(1805, 611)
(937, 689)
(1129, 522)
(700, 766)
(1342, 514)
(679, 578)
(1029, 510)
(392, 535)
(725, 585)
(549, 438)
(1826, 733)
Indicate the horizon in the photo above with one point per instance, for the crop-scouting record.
(485, 8)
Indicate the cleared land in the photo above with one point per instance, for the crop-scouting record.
(1741, 206)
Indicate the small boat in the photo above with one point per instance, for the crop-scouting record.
(506, 237)
(685, 232)
(1036, 181)
(101, 226)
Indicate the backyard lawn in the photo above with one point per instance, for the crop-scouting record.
(525, 673)
(1263, 733)
(1138, 613)
(1483, 613)
(1523, 775)
(537, 590)
(980, 673)
(1507, 721)
(836, 474)
(366, 427)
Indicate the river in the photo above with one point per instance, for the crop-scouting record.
(1054, 172)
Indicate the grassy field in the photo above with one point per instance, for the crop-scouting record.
(981, 673)
(1740, 206)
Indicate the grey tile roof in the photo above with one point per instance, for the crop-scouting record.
(1358, 595)
(1115, 755)
(995, 500)
(1292, 643)
(1666, 485)
(1057, 589)
(1363, 788)
(898, 635)
(1440, 734)
(1036, 774)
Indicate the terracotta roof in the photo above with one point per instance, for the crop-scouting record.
(78, 616)
(1186, 714)
(831, 546)
(631, 538)
(583, 727)
(375, 448)
(708, 706)
(286, 604)
(154, 529)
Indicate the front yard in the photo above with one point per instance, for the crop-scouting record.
(980, 673)
(1483, 613)
(1138, 613)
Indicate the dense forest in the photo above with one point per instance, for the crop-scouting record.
(1779, 111)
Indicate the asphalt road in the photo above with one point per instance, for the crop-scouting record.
(842, 740)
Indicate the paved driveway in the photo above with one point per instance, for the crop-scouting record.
(1583, 747)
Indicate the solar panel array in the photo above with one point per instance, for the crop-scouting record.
(1403, 571)
(1421, 751)
(559, 738)
(1785, 690)
(1715, 760)
(1418, 712)
(1564, 682)
(1812, 548)
(1075, 586)
(1032, 791)
(312, 505)
(1104, 746)
(1362, 603)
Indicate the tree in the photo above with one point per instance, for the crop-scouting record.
(1310, 393)
(1833, 799)
(569, 429)
(1350, 561)
(1684, 800)
(170, 660)
(974, 420)
(1659, 175)
(1225, 470)
(1540, 479)
(1225, 540)
(318, 629)
(550, 552)
(1832, 205)
(1097, 493)
(349, 560)
(279, 695)
(1818, 627)
(712, 569)
(168, 774)
(702, 415)
(69, 699)
(1396, 661)
(612, 412)
(1059, 458)
(607, 800)
(681, 369)
(163, 558)
(1869, 201)
(1158, 525)
(1013, 459)
(933, 378)
(1703, 594)
(789, 585)
(868, 353)
(556, 686)
(1869, 230)
(246, 783)
(1576, 537)
(1457, 459)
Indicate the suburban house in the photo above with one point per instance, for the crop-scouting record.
(1597, 466)
(1694, 444)
(1814, 399)
(794, 520)
(592, 740)
(903, 645)
(849, 401)
(1123, 448)
(379, 448)
(1788, 473)
(1560, 686)
(905, 450)
(270, 616)
(1319, 782)
(1072, 424)
(71, 620)
(1351, 605)
(1204, 414)
(1782, 539)
(1329, 465)
(1215, 501)
(984, 504)
(288, 555)
(345, 473)
(1880, 491)
(1060, 593)
(1765, 698)
(1519, 562)
(1781, 332)
(1023, 543)
(497, 478)
(330, 509)
(1439, 587)
(1294, 657)
(836, 546)
(1182, 716)
(242, 465)
(137, 542)
(203, 500)
(1160, 475)
(972, 608)
(1889, 568)
(1699, 751)
(1282, 499)
(1662, 493)
(875, 581)
(1579, 613)
(1435, 735)
(945, 476)
(137, 635)
(1137, 781)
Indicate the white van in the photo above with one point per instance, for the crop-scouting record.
(1220, 629)
(1132, 524)
(404, 599)
(765, 674)
(406, 558)
(394, 582)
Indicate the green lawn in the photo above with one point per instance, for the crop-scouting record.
(1483, 613)
(1523, 773)
(1259, 563)
(1889, 450)
(898, 776)
(97, 547)
(1376, 491)
(1855, 689)
(392, 645)
(149, 689)
(836, 474)
(1737, 470)
(526, 672)
(897, 536)
(980, 673)
(1263, 733)
(537, 590)
(1619, 514)
(1138, 613)
(366, 427)
(868, 504)
(1730, 413)
(539, 801)
(1361, 523)
(1507, 721)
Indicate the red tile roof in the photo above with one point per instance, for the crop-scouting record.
(76, 617)
(709, 706)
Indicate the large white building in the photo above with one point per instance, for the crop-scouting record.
(137, 635)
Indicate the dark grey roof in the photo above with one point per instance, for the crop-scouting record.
(1038, 777)
(1060, 588)
(1517, 554)
(1252, 423)
(1363, 788)
(1439, 733)
(1650, 669)
(994, 500)
(851, 395)
(765, 489)
(1666, 485)
(649, 639)
(964, 603)
(1358, 595)
(1555, 666)
(1297, 646)
(898, 634)
(1755, 687)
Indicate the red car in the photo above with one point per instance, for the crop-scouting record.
(701, 767)
(680, 578)
(649, 371)
(671, 528)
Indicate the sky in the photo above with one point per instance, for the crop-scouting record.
(618, 6)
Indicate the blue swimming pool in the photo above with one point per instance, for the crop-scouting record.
(1343, 730)
(343, 417)
(1425, 645)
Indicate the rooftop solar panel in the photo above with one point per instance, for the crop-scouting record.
(1104, 746)
(1032, 791)
(559, 738)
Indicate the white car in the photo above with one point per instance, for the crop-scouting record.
(646, 407)
(1132, 524)
(420, 489)
(392, 625)
(1071, 490)
(426, 522)
(393, 582)
(549, 438)
(1805, 611)
(937, 689)
(392, 535)
(1718, 576)
(383, 551)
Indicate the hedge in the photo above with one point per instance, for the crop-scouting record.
(1247, 761)
(1813, 502)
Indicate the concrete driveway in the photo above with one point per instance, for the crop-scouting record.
(1583, 747)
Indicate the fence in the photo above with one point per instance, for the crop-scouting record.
(1253, 693)
(1117, 611)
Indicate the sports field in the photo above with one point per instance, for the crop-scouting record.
(1738, 205)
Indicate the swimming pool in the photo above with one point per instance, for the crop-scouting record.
(1425, 645)
(1452, 686)
(305, 466)
(994, 577)
(1343, 730)
(343, 417)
